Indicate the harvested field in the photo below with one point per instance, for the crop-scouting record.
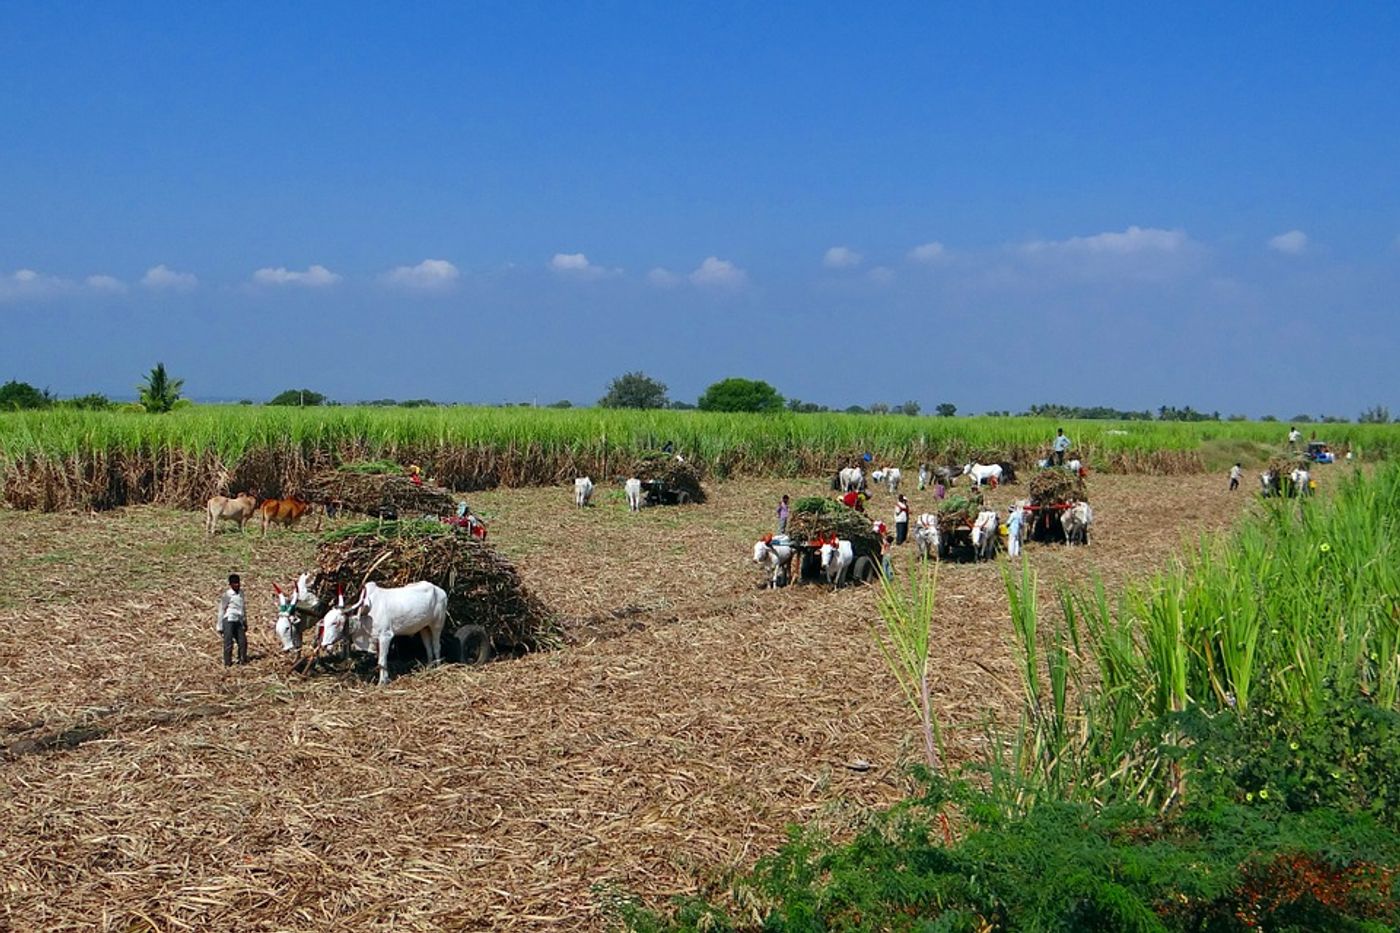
(688, 720)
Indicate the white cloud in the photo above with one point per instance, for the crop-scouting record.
(928, 252)
(27, 283)
(1142, 254)
(1291, 243)
(105, 283)
(663, 278)
(162, 277)
(720, 273)
(1134, 240)
(314, 277)
(577, 265)
(881, 275)
(428, 275)
(841, 257)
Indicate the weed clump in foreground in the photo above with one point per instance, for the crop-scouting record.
(1220, 751)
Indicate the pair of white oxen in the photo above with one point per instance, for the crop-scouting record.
(774, 553)
(583, 492)
(371, 624)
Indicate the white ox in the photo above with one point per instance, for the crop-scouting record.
(289, 625)
(384, 612)
(238, 508)
(633, 488)
(1076, 521)
(983, 472)
(926, 538)
(775, 556)
(890, 476)
(837, 560)
(583, 491)
(984, 534)
(850, 478)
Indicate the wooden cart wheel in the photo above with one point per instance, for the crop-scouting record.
(473, 644)
(864, 570)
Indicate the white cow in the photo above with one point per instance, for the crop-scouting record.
(775, 554)
(1076, 521)
(583, 491)
(890, 476)
(289, 624)
(238, 508)
(634, 494)
(384, 612)
(984, 533)
(926, 537)
(851, 478)
(1074, 465)
(983, 472)
(837, 560)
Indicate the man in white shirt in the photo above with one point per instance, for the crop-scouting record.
(1236, 472)
(1061, 445)
(1294, 435)
(233, 621)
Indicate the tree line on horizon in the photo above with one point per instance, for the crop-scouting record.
(159, 392)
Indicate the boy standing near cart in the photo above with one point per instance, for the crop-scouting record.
(233, 621)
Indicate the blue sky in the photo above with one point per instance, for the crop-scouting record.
(989, 204)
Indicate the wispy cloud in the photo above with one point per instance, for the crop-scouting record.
(1133, 241)
(313, 277)
(718, 273)
(927, 253)
(881, 275)
(1291, 243)
(163, 278)
(26, 283)
(105, 283)
(430, 275)
(663, 278)
(841, 257)
(578, 266)
(1144, 254)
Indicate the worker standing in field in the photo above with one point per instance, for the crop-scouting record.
(1014, 518)
(233, 621)
(901, 519)
(784, 512)
(1235, 473)
(1061, 446)
(1294, 435)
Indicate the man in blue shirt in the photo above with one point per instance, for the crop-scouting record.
(1061, 445)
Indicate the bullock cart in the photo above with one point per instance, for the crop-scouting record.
(958, 535)
(490, 612)
(816, 520)
(1053, 492)
(668, 479)
(660, 492)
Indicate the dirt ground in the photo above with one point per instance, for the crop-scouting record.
(690, 718)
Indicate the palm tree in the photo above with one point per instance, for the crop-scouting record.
(159, 392)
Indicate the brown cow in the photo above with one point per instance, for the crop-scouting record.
(286, 512)
(233, 509)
